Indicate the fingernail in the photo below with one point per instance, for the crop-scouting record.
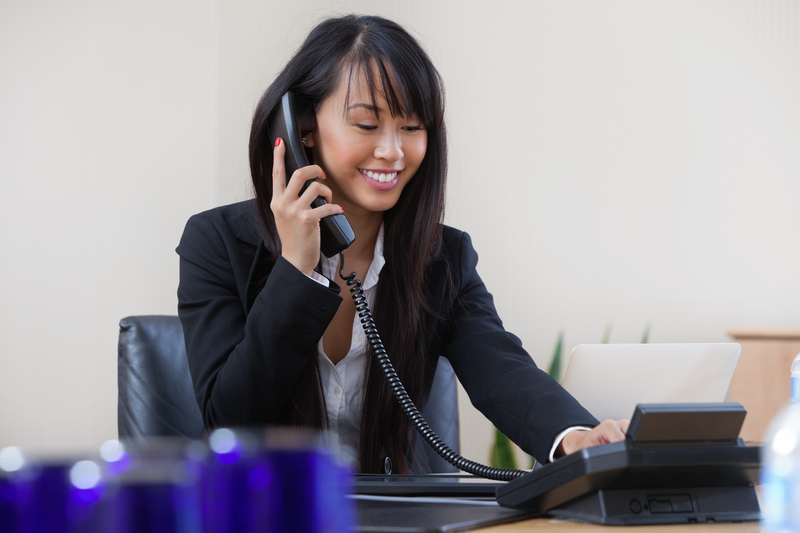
(342, 207)
(277, 142)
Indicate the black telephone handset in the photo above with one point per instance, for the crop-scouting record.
(290, 119)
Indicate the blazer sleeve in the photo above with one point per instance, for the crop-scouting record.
(499, 376)
(244, 365)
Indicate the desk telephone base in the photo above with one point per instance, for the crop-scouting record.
(680, 463)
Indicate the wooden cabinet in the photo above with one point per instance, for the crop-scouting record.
(761, 382)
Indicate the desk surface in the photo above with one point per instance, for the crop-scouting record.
(560, 526)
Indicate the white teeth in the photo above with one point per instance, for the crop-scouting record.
(379, 176)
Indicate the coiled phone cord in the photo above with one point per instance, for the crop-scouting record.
(399, 391)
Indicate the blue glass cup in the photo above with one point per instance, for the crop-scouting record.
(278, 479)
(225, 497)
(295, 485)
(52, 495)
(11, 461)
(159, 486)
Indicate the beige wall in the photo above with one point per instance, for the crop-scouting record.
(108, 143)
(617, 162)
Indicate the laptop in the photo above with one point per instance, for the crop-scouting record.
(610, 379)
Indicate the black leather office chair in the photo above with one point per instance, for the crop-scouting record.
(156, 396)
(155, 389)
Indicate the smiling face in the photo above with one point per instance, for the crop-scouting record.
(368, 155)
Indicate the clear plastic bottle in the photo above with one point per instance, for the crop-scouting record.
(796, 380)
(780, 472)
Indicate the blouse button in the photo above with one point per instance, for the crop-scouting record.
(358, 338)
(337, 390)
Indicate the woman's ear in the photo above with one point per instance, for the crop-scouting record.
(308, 139)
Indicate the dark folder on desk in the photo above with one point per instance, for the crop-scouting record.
(433, 485)
(430, 503)
(423, 514)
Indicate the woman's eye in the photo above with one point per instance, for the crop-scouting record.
(413, 128)
(367, 127)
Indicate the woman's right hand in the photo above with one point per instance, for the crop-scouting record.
(297, 222)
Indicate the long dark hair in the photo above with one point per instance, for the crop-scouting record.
(354, 45)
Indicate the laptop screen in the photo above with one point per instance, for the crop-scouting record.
(610, 379)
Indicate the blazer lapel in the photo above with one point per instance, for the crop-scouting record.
(259, 272)
(263, 260)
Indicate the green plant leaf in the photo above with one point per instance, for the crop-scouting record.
(607, 334)
(555, 363)
(502, 453)
(646, 334)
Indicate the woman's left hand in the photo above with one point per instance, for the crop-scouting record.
(607, 431)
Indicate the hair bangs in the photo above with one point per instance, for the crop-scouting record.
(403, 83)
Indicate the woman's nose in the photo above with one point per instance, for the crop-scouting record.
(390, 146)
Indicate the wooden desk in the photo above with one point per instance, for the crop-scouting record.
(559, 526)
(762, 377)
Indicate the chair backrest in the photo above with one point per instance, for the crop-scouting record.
(441, 413)
(155, 389)
(156, 397)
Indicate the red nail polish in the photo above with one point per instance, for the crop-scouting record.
(277, 142)
(342, 208)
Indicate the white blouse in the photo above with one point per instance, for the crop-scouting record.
(343, 383)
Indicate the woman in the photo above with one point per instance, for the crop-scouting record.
(268, 336)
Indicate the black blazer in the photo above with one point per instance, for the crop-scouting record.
(250, 325)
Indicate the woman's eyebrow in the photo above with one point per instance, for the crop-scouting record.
(369, 107)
